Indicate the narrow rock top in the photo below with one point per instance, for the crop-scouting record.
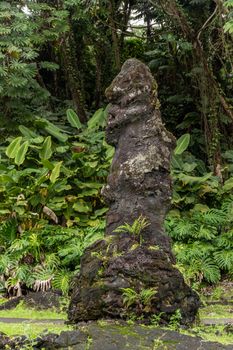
(133, 96)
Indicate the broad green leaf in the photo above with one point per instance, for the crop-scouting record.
(62, 149)
(92, 164)
(49, 65)
(46, 151)
(13, 147)
(20, 155)
(182, 144)
(98, 119)
(200, 208)
(73, 119)
(88, 193)
(4, 211)
(81, 207)
(228, 185)
(176, 162)
(27, 132)
(110, 152)
(5, 179)
(38, 139)
(47, 164)
(189, 167)
(87, 184)
(100, 212)
(56, 132)
(55, 172)
(187, 179)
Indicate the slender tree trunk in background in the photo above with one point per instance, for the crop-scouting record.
(125, 21)
(74, 80)
(215, 98)
(115, 38)
(148, 29)
(98, 77)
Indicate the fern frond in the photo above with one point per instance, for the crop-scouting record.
(51, 261)
(225, 240)
(183, 228)
(224, 259)
(42, 278)
(61, 280)
(146, 295)
(210, 271)
(130, 296)
(215, 217)
(136, 228)
(8, 231)
(206, 233)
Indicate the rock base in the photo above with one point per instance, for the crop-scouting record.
(111, 266)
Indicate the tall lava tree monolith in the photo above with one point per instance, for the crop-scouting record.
(138, 186)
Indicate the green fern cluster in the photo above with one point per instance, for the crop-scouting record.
(143, 298)
(203, 241)
(43, 258)
(135, 229)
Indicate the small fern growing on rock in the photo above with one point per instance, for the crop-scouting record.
(136, 228)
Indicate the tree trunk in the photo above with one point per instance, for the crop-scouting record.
(215, 96)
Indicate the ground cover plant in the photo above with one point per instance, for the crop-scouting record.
(200, 222)
(51, 208)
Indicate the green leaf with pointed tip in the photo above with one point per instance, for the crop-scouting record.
(57, 134)
(176, 162)
(27, 132)
(20, 155)
(98, 119)
(13, 147)
(46, 151)
(38, 139)
(228, 185)
(187, 179)
(5, 179)
(81, 207)
(73, 119)
(101, 211)
(182, 144)
(55, 172)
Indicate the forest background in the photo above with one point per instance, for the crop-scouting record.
(57, 58)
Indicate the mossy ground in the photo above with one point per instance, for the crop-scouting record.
(218, 333)
(32, 330)
(216, 311)
(21, 311)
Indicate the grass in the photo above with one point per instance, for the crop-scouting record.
(212, 333)
(31, 330)
(21, 311)
(216, 311)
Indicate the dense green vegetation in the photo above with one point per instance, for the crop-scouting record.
(56, 60)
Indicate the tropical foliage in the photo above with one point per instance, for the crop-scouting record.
(50, 175)
(56, 60)
(200, 222)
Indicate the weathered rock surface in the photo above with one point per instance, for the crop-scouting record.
(139, 184)
(112, 337)
(38, 300)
